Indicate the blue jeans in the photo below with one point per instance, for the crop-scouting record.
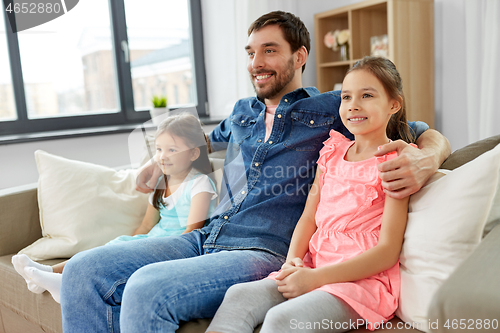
(151, 285)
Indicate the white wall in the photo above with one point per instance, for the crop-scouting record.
(450, 94)
(18, 167)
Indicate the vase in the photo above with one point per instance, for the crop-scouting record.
(158, 114)
(344, 52)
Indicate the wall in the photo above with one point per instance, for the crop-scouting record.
(450, 79)
(18, 165)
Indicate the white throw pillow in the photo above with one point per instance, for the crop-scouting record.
(83, 205)
(447, 220)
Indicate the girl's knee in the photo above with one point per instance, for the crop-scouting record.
(277, 319)
(237, 292)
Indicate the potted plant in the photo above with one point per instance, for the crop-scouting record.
(159, 108)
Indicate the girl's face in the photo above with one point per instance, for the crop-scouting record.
(173, 155)
(365, 106)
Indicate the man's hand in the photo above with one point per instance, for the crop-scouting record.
(407, 173)
(298, 281)
(147, 177)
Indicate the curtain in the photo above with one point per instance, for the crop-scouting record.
(482, 44)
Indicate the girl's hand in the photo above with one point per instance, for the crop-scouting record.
(295, 262)
(147, 177)
(298, 281)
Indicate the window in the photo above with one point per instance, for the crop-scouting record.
(68, 65)
(161, 58)
(99, 65)
(7, 106)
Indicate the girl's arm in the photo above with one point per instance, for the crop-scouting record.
(200, 203)
(305, 228)
(150, 219)
(379, 258)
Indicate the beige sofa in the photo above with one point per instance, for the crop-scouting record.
(472, 292)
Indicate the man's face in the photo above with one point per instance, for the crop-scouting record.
(270, 63)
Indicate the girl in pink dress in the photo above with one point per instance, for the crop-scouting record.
(342, 268)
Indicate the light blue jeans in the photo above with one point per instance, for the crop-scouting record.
(151, 285)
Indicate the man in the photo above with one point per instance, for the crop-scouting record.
(154, 284)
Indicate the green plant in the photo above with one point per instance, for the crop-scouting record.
(159, 101)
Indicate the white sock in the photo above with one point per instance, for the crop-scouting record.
(50, 281)
(20, 261)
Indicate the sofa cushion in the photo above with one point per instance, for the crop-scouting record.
(447, 219)
(82, 206)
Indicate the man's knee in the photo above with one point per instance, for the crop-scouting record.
(79, 265)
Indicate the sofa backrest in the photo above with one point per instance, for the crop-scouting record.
(470, 152)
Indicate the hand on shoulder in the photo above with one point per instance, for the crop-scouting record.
(408, 172)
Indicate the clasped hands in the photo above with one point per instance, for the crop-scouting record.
(294, 279)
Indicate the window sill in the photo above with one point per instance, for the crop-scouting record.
(74, 133)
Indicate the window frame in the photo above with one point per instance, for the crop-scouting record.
(126, 116)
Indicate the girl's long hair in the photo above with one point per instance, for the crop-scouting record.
(187, 127)
(385, 71)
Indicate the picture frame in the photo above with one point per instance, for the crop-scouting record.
(379, 46)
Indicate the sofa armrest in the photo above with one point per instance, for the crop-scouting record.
(19, 219)
(472, 292)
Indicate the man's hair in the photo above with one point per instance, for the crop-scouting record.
(294, 30)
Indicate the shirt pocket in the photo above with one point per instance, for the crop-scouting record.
(308, 130)
(242, 127)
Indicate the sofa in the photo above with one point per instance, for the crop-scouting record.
(471, 292)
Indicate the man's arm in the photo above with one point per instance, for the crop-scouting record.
(407, 173)
(220, 136)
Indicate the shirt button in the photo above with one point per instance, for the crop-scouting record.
(242, 192)
(259, 140)
(226, 217)
(242, 121)
(311, 122)
(270, 142)
(256, 164)
(279, 116)
(286, 100)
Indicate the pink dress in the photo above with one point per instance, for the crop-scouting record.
(348, 217)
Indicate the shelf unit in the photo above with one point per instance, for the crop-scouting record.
(409, 25)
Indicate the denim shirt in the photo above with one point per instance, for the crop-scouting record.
(265, 183)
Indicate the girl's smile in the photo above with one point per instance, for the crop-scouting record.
(174, 156)
(365, 107)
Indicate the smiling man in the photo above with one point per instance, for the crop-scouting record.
(151, 285)
(272, 63)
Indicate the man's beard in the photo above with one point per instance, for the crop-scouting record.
(280, 83)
